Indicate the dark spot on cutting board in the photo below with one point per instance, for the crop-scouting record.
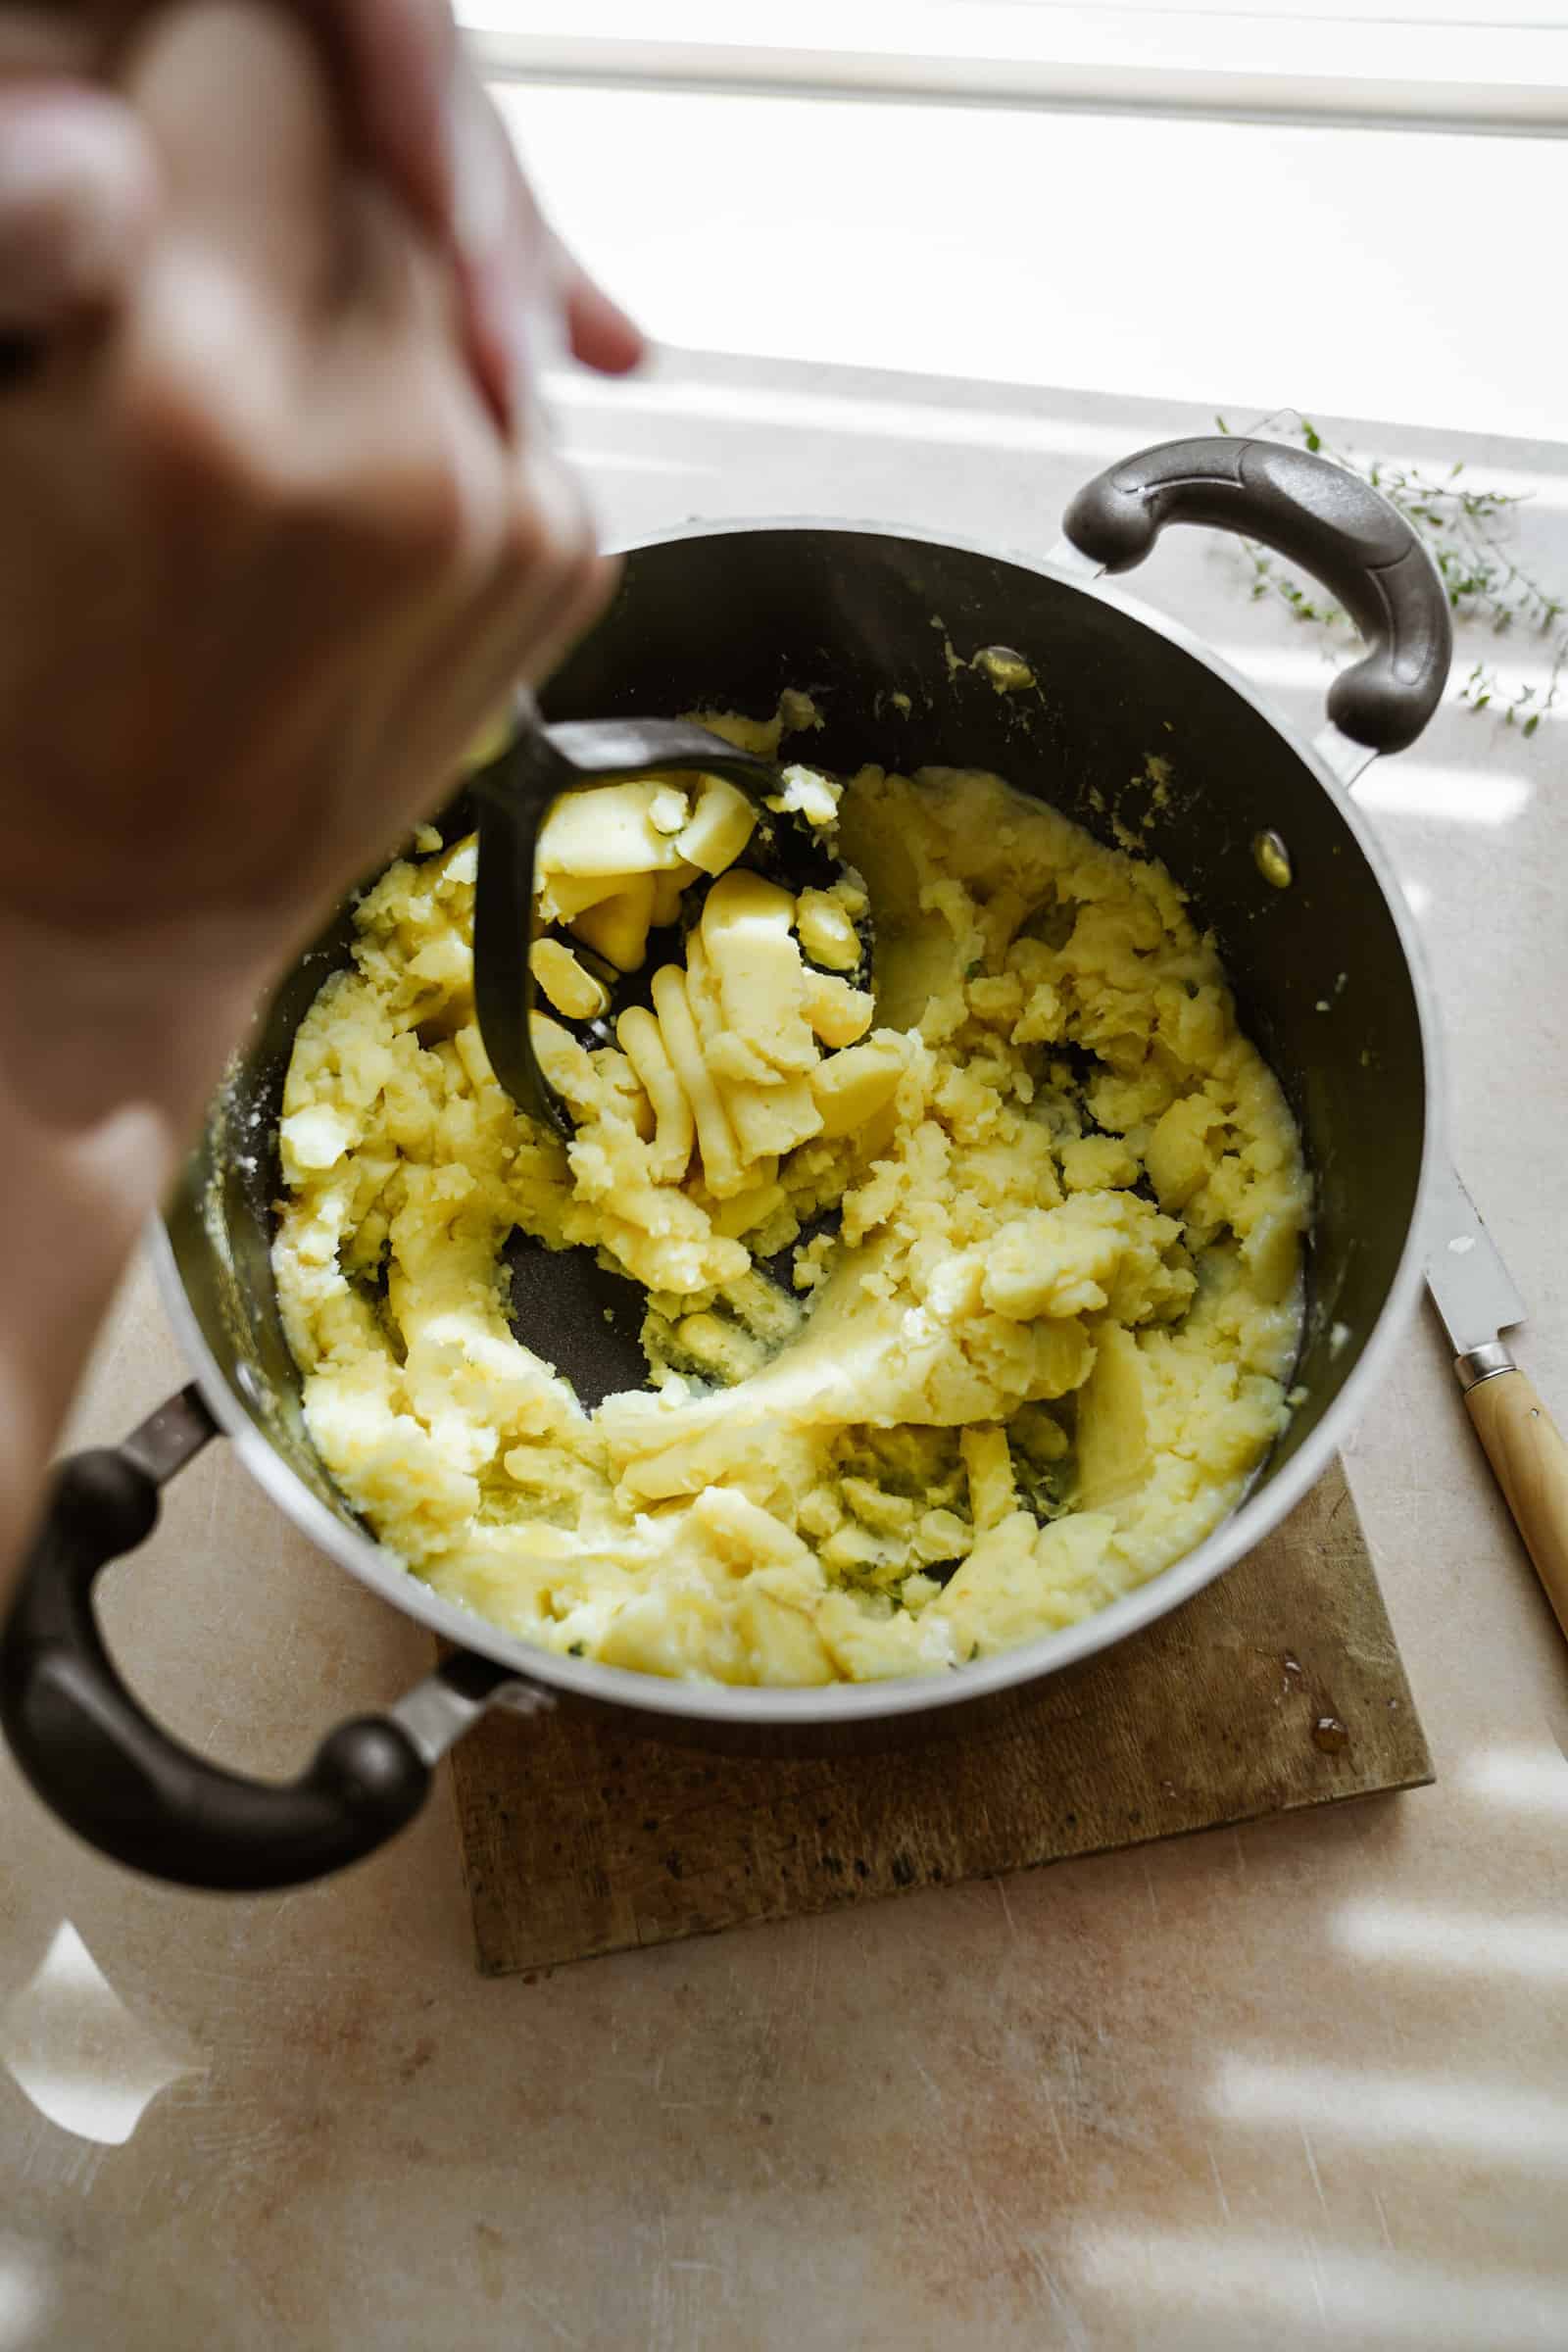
(903, 1871)
(675, 1865)
(418, 2058)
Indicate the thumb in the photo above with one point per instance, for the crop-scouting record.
(76, 191)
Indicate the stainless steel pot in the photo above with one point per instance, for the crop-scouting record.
(731, 617)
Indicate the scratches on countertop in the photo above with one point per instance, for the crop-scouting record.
(1311, 2166)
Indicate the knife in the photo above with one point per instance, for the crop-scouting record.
(1476, 1298)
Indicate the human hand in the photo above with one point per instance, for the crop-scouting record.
(74, 172)
(267, 560)
(279, 526)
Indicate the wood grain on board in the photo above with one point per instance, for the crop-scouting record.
(1276, 1688)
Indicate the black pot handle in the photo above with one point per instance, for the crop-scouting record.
(126, 1786)
(1335, 525)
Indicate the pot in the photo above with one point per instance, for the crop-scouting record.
(731, 615)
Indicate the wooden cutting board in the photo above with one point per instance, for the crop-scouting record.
(1278, 1687)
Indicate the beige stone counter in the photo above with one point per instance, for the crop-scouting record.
(1302, 2085)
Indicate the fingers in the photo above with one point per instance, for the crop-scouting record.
(504, 573)
(279, 399)
(78, 189)
(527, 301)
(508, 295)
(392, 59)
(398, 57)
(236, 101)
(552, 582)
(222, 85)
(601, 334)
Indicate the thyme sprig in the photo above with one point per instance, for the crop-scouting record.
(1464, 530)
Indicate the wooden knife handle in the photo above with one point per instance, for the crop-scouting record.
(1531, 1462)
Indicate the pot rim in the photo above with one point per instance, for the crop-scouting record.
(1260, 1510)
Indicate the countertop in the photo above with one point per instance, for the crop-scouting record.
(1303, 2084)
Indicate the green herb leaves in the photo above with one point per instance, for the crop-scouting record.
(1465, 532)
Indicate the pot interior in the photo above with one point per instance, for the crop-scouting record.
(1123, 729)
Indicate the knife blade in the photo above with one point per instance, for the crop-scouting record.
(1473, 1288)
(1478, 1302)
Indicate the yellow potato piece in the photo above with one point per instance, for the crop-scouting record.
(825, 931)
(469, 1049)
(566, 1063)
(1098, 1162)
(564, 896)
(770, 1119)
(757, 967)
(606, 829)
(1020, 1580)
(784, 1644)
(314, 1138)
(617, 928)
(1055, 1262)
(575, 994)
(716, 1139)
(850, 1087)
(988, 1465)
(721, 1349)
(1178, 1157)
(809, 794)
(1113, 1451)
(769, 1112)
(727, 1055)
(675, 1133)
(667, 889)
(837, 1013)
(722, 824)
(1060, 1356)
(670, 810)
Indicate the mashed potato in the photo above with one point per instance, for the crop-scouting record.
(1047, 1205)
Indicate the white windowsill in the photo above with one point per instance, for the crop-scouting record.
(1311, 65)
